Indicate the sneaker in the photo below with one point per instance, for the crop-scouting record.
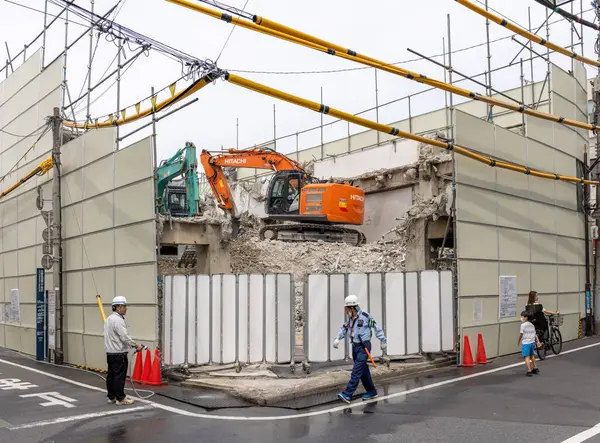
(529, 374)
(125, 401)
(370, 396)
(344, 397)
(111, 402)
(535, 370)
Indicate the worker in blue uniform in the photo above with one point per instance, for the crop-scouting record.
(359, 326)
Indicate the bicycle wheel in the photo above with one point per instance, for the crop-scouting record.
(541, 352)
(556, 342)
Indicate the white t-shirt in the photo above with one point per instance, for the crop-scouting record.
(528, 331)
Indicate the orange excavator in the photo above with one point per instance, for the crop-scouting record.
(299, 207)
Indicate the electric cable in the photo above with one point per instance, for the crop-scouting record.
(568, 15)
(229, 36)
(47, 13)
(43, 133)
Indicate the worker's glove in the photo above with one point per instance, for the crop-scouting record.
(383, 346)
(336, 343)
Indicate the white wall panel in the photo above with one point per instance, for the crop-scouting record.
(317, 319)
(178, 296)
(256, 301)
(430, 311)
(447, 308)
(395, 309)
(270, 317)
(216, 331)
(337, 293)
(376, 296)
(191, 296)
(243, 337)
(228, 339)
(202, 325)
(359, 286)
(284, 325)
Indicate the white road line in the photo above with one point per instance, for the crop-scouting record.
(585, 435)
(305, 414)
(55, 421)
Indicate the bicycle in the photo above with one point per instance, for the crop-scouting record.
(551, 338)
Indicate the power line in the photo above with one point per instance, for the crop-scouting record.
(230, 33)
(43, 12)
(44, 132)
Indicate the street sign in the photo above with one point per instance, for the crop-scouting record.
(51, 320)
(47, 215)
(47, 262)
(47, 249)
(40, 317)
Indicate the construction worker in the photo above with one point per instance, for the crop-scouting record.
(117, 343)
(359, 326)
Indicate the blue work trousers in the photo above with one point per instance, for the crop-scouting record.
(360, 371)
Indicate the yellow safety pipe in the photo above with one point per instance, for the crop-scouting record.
(99, 301)
(524, 33)
(274, 29)
(44, 167)
(195, 87)
(318, 107)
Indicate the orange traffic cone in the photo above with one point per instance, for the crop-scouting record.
(155, 374)
(481, 357)
(467, 354)
(147, 367)
(137, 370)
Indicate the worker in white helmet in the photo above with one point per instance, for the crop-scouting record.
(117, 343)
(359, 326)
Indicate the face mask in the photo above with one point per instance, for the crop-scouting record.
(523, 320)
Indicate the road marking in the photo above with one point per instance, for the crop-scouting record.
(585, 435)
(52, 399)
(55, 421)
(305, 414)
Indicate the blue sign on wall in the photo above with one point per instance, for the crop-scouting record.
(40, 316)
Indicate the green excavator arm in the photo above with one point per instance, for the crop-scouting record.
(183, 163)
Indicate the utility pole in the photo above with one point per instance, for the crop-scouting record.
(56, 234)
(596, 213)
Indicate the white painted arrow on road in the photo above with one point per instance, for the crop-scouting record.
(52, 399)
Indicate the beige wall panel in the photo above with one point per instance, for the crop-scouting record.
(540, 130)
(26, 259)
(582, 304)
(568, 303)
(490, 339)
(98, 177)
(570, 327)
(26, 234)
(73, 287)
(474, 133)
(99, 143)
(72, 250)
(580, 226)
(475, 205)
(9, 283)
(27, 340)
(511, 182)
(22, 100)
(474, 173)
(11, 264)
(72, 154)
(141, 323)
(98, 282)
(567, 251)
(46, 105)
(508, 119)
(489, 310)
(134, 203)
(137, 283)
(24, 123)
(473, 107)
(100, 249)
(72, 188)
(562, 107)
(74, 319)
(9, 211)
(565, 165)
(23, 75)
(27, 315)
(544, 220)
(479, 242)
(72, 220)
(549, 301)
(362, 140)
(133, 163)
(2, 337)
(309, 154)
(93, 319)
(543, 248)
(1, 270)
(508, 332)
(337, 147)
(566, 195)
(543, 278)
(514, 245)
(98, 213)
(562, 83)
(542, 158)
(580, 74)
(567, 140)
(510, 146)
(513, 212)
(566, 222)
(74, 349)
(430, 121)
(27, 205)
(9, 238)
(95, 356)
(135, 243)
(13, 337)
(580, 105)
(477, 278)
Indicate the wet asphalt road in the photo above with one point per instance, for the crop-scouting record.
(498, 405)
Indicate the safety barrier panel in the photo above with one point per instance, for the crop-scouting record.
(416, 310)
(226, 318)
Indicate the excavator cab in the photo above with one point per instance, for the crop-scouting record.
(283, 195)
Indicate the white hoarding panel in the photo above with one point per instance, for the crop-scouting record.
(317, 318)
(337, 283)
(284, 318)
(413, 329)
(375, 307)
(447, 306)
(228, 343)
(256, 317)
(216, 296)
(243, 282)
(430, 311)
(270, 317)
(359, 286)
(191, 320)
(203, 323)
(394, 306)
(167, 288)
(178, 296)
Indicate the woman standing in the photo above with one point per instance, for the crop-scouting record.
(537, 311)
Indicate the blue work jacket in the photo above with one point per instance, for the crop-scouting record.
(360, 328)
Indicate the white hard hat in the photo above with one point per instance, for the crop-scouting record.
(119, 300)
(351, 300)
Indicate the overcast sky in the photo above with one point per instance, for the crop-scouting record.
(382, 29)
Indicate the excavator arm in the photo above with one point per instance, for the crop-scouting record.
(251, 158)
(183, 163)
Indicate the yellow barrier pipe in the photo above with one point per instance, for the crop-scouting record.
(99, 300)
(44, 167)
(121, 121)
(317, 107)
(524, 33)
(283, 32)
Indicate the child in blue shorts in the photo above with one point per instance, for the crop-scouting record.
(527, 340)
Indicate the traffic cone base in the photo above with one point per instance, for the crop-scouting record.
(481, 357)
(467, 354)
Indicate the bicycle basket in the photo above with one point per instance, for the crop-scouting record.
(557, 320)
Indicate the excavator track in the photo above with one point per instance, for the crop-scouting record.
(299, 232)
